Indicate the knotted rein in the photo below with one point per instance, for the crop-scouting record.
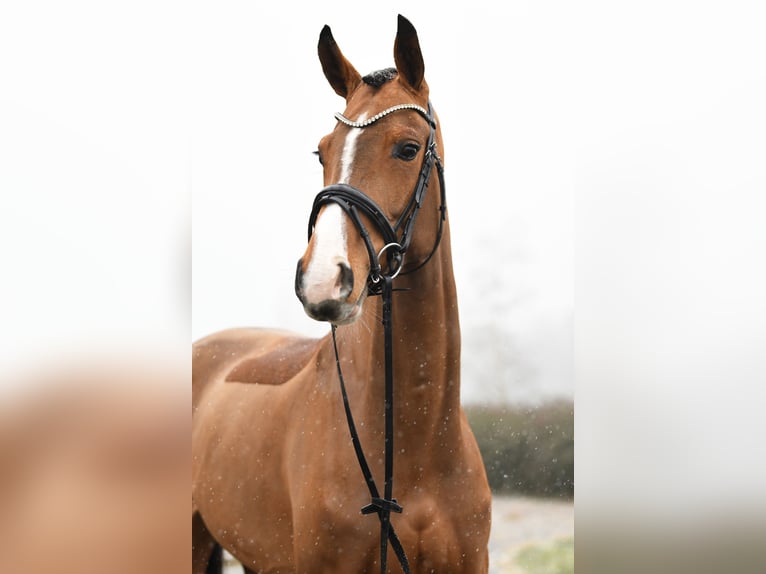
(380, 282)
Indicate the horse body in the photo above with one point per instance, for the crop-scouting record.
(275, 478)
(293, 503)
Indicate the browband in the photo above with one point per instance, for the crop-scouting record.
(363, 124)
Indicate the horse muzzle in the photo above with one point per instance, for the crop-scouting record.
(325, 295)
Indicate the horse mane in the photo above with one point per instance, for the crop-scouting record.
(379, 77)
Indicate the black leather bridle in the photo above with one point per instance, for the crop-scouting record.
(354, 201)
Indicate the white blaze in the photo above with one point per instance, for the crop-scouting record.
(330, 248)
(349, 150)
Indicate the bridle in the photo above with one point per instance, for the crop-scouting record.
(353, 201)
(380, 282)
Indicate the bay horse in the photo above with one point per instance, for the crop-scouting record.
(276, 478)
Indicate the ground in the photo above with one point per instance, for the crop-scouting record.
(530, 535)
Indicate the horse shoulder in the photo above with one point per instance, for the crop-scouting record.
(249, 355)
(276, 364)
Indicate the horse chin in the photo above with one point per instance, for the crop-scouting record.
(334, 312)
(350, 317)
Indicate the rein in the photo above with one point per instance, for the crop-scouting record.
(380, 282)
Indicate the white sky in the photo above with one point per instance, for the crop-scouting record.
(603, 158)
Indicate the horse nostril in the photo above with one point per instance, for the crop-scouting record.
(345, 282)
(299, 280)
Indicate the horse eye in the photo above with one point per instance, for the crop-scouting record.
(406, 151)
(319, 156)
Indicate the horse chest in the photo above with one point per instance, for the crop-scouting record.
(436, 539)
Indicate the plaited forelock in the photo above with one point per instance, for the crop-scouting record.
(380, 77)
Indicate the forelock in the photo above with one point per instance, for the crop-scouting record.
(379, 77)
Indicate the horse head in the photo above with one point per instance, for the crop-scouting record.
(377, 164)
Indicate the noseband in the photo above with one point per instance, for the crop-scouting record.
(379, 282)
(354, 201)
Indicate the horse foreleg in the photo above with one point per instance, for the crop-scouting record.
(207, 554)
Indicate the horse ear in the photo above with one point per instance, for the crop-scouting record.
(407, 54)
(342, 76)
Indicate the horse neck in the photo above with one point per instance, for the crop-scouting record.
(426, 351)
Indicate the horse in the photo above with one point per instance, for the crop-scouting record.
(275, 476)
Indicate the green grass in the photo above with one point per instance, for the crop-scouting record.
(551, 558)
(527, 450)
